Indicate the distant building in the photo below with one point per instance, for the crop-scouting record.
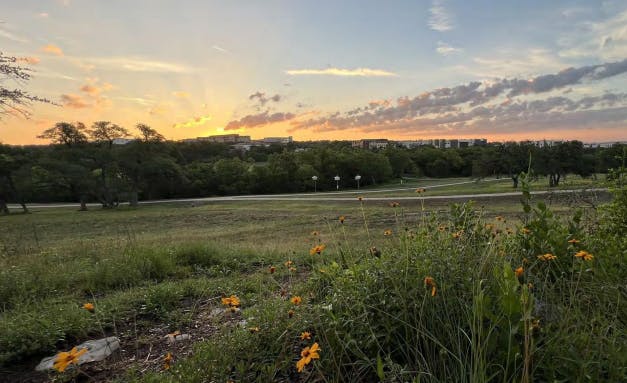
(227, 139)
(277, 140)
(445, 143)
(122, 141)
(377, 143)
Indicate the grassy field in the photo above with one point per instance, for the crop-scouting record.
(158, 269)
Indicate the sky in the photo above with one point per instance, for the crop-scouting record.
(324, 69)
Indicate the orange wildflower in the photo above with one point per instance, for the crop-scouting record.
(387, 232)
(317, 249)
(342, 218)
(430, 282)
(254, 330)
(167, 361)
(89, 307)
(231, 301)
(289, 263)
(307, 355)
(394, 204)
(524, 230)
(64, 359)
(420, 190)
(296, 300)
(519, 272)
(272, 269)
(574, 241)
(584, 255)
(305, 335)
(290, 313)
(547, 257)
(315, 233)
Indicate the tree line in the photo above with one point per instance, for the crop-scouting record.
(84, 164)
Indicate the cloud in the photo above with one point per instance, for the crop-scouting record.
(158, 110)
(510, 103)
(74, 101)
(181, 94)
(445, 49)
(43, 15)
(359, 72)
(440, 19)
(52, 49)
(219, 48)
(29, 60)
(260, 119)
(196, 121)
(131, 64)
(262, 99)
(606, 40)
(9, 35)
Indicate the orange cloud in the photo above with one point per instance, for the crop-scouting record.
(180, 94)
(93, 89)
(158, 110)
(74, 101)
(52, 49)
(196, 121)
(29, 60)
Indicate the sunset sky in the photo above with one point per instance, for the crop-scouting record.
(324, 69)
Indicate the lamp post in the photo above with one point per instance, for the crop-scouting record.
(337, 182)
(315, 180)
(357, 178)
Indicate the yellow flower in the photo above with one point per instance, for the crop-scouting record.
(307, 354)
(499, 218)
(489, 226)
(547, 257)
(315, 233)
(89, 307)
(574, 241)
(387, 232)
(167, 361)
(342, 218)
(430, 282)
(290, 313)
(519, 272)
(394, 204)
(441, 228)
(296, 300)
(524, 230)
(289, 263)
(272, 269)
(458, 234)
(305, 335)
(64, 359)
(317, 249)
(231, 301)
(292, 269)
(420, 190)
(584, 255)
(254, 330)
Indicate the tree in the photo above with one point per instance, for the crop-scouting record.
(65, 133)
(15, 101)
(148, 134)
(106, 132)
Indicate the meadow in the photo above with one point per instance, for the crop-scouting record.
(503, 289)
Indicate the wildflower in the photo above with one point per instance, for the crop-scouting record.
(530, 286)
(524, 230)
(305, 335)
(525, 261)
(253, 329)
(173, 334)
(394, 204)
(489, 226)
(289, 263)
(441, 228)
(231, 301)
(574, 241)
(584, 255)
(374, 251)
(307, 354)
(387, 232)
(500, 218)
(360, 198)
(508, 230)
(283, 292)
(420, 190)
(290, 313)
(458, 234)
(89, 307)
(519, 272)
(272, 269)
(167, 361)
(317, 249)
(292, 269)
(547, 257)
(296, 300)
(430, 282)
(315, 233)
(64, 359)
(342, 218)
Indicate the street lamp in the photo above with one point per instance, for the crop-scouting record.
(315, 179)
(357, 178)
(337, 182)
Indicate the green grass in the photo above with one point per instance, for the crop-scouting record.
(166, 267)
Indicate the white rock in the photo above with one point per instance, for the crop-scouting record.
(96, 350)
(171, 338)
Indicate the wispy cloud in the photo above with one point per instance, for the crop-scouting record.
(440, 18)
(32, 60)
(10, 35)
(260, 119)
(43, 15)
(180, 94)
(445, 49)
(74, 101)
(358, 72)
(220, 49)
(196, 121)
(52, 49)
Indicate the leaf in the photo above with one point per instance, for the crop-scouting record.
(380, 372)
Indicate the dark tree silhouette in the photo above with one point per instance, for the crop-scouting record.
(15, 100)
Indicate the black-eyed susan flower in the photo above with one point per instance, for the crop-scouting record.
(317, 249)
(387, 232)
(574, 241)
(430, 282)
(65, 359)
(232, 301)
(167, 361)
(305, 335)
(288, 263)
(420, 190)
(547, 257)
(296, 300)
(519, 272)
(584, 255)
(524, 230)
(254, 330)
(315, 233)
(394, 204)
(307, 355)
(290, 313)
(341, 219)
(272, 269)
